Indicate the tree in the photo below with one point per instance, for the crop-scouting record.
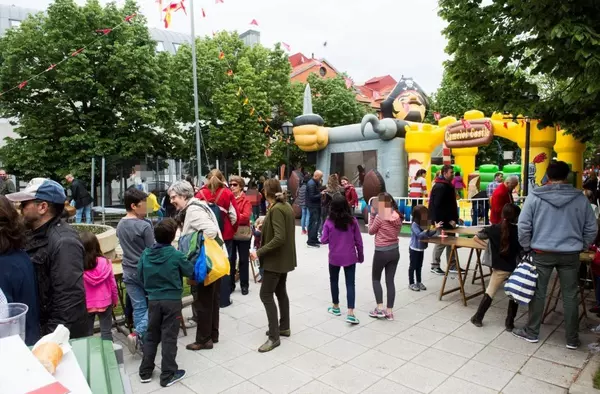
(539, 58)
(107, 100)
(231, 129)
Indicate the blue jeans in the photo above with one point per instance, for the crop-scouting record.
(334, 278)
(313, 225)
(304, 220)
(87, 211)
(135, 291)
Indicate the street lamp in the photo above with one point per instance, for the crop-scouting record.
(287, 128)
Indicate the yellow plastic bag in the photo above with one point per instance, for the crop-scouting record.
(217, 261)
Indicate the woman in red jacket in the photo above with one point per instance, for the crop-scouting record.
(241, 239)
(216, 193)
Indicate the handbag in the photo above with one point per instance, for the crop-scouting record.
(243, 233)
(521, 284)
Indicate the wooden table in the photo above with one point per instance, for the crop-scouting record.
(455, 243)
(468, 231)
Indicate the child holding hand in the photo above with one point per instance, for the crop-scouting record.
(417, 247)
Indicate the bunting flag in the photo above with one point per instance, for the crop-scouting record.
(221, 55)
(173, 7)
(522, 122)
(167, 19)
(246, 101)
(239, 92)
(349, 83)
(286, 46)
(252, 111)
(506, 125)
(266, 129)
(437, 116)
(254, 22)
(230, 73)
(219, 2)
(104, 31)
(203, 13)
(466, 123)
(557, 127)
(23, 84)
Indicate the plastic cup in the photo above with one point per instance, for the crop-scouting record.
(12, 320)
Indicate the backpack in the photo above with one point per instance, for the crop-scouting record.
(216, 209)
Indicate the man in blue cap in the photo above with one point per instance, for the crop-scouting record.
(57, 255)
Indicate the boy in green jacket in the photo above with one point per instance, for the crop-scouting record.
(161, 269)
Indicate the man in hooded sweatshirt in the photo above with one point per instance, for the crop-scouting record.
(556, 224)
(443, 208)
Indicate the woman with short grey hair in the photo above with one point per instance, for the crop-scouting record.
(195, 215)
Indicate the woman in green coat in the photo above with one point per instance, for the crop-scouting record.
(277, 257)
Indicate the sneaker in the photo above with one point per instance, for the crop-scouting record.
(317, 246)
(574, 345)
(453, 270)
(133, 341)
(334, 311)
(352, 319)
(437, 271)
(422, 287)
(414, 287)
(377, 313)
(595, 330)
(177, 376)
(389, 316)
(521, 333)
(145, 380)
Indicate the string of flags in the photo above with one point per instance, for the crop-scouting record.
(101, 33)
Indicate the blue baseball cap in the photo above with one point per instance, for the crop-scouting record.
(40, 189)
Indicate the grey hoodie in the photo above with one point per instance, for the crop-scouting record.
(557, 218)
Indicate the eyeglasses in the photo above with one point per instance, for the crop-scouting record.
(233, 185)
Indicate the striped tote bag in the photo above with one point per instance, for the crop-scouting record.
(521, 284)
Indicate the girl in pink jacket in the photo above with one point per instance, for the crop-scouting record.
(100, 285)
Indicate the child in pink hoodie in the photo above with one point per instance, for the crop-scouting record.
(385, 224)
(100, 285)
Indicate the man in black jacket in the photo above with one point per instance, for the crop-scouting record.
(83, 199)
(443, 208)
(313, 202)
(57, 255)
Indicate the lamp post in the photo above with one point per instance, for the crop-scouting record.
(287, 128)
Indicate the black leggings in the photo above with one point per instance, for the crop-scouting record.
(387, 260)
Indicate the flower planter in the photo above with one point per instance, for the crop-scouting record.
(107, 237)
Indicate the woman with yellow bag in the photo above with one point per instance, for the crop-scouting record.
(195, 215)
(277, 257)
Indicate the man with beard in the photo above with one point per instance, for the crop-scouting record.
(6, 184)
(57, 255)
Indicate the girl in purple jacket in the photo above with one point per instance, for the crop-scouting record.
(342, 233)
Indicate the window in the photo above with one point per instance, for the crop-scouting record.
(14, 23)
(176, 46)
(322, 71)
(354, 165)
(160, 46)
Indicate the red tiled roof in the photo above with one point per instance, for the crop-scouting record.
(298, 59)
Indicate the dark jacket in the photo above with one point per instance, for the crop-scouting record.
(493, 235)
(161, 269)
(80, 194)
(57, 255)
(313, 195)
(278, 251)
(442, 203)
(17, 281)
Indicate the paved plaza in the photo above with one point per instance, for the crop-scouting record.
(431, 347)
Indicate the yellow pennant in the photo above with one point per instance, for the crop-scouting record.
(246, 101)
(266, 129)
(239, 91)
(252, 111)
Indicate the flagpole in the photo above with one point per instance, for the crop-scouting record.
(195, 76)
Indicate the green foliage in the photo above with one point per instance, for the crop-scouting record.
(107, 100)
(540, 57)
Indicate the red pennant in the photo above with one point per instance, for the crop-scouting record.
(557, 127)
(203, 13)
(466, 124)
(505, 125)
(254, 22)
(286, 46)
(348, 83)
(221, 55)
(77, 52)
(219, 1)
(128, 18)
(522, 123)
(437, 116)
(229, 72)
(488, 124)
(104, 31)
(22, 84)
(51, 67)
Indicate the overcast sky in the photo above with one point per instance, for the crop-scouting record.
(365, 38)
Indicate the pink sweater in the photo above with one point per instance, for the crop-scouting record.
(100, 285)
(385, 230)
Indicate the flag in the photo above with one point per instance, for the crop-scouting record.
(221, 55)
(466, 123)
(286, 46)
(128, 18)
(104, 31)
(51, 67)
(22, 84)
(77, 52)
(254, 22)
(506, 125)
(229, 72)
(239, 91)
(252, 111)
(219, 1)
(488, 124)
(203, 13)
(266, 129)
(437, 116)
(167, 17)
(348, 83)
(557, 127)
(246, 101)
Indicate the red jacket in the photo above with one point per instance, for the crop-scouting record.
(226, 202)
(596, 261)
(351, 196)
(245, 210)
(500, 198)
